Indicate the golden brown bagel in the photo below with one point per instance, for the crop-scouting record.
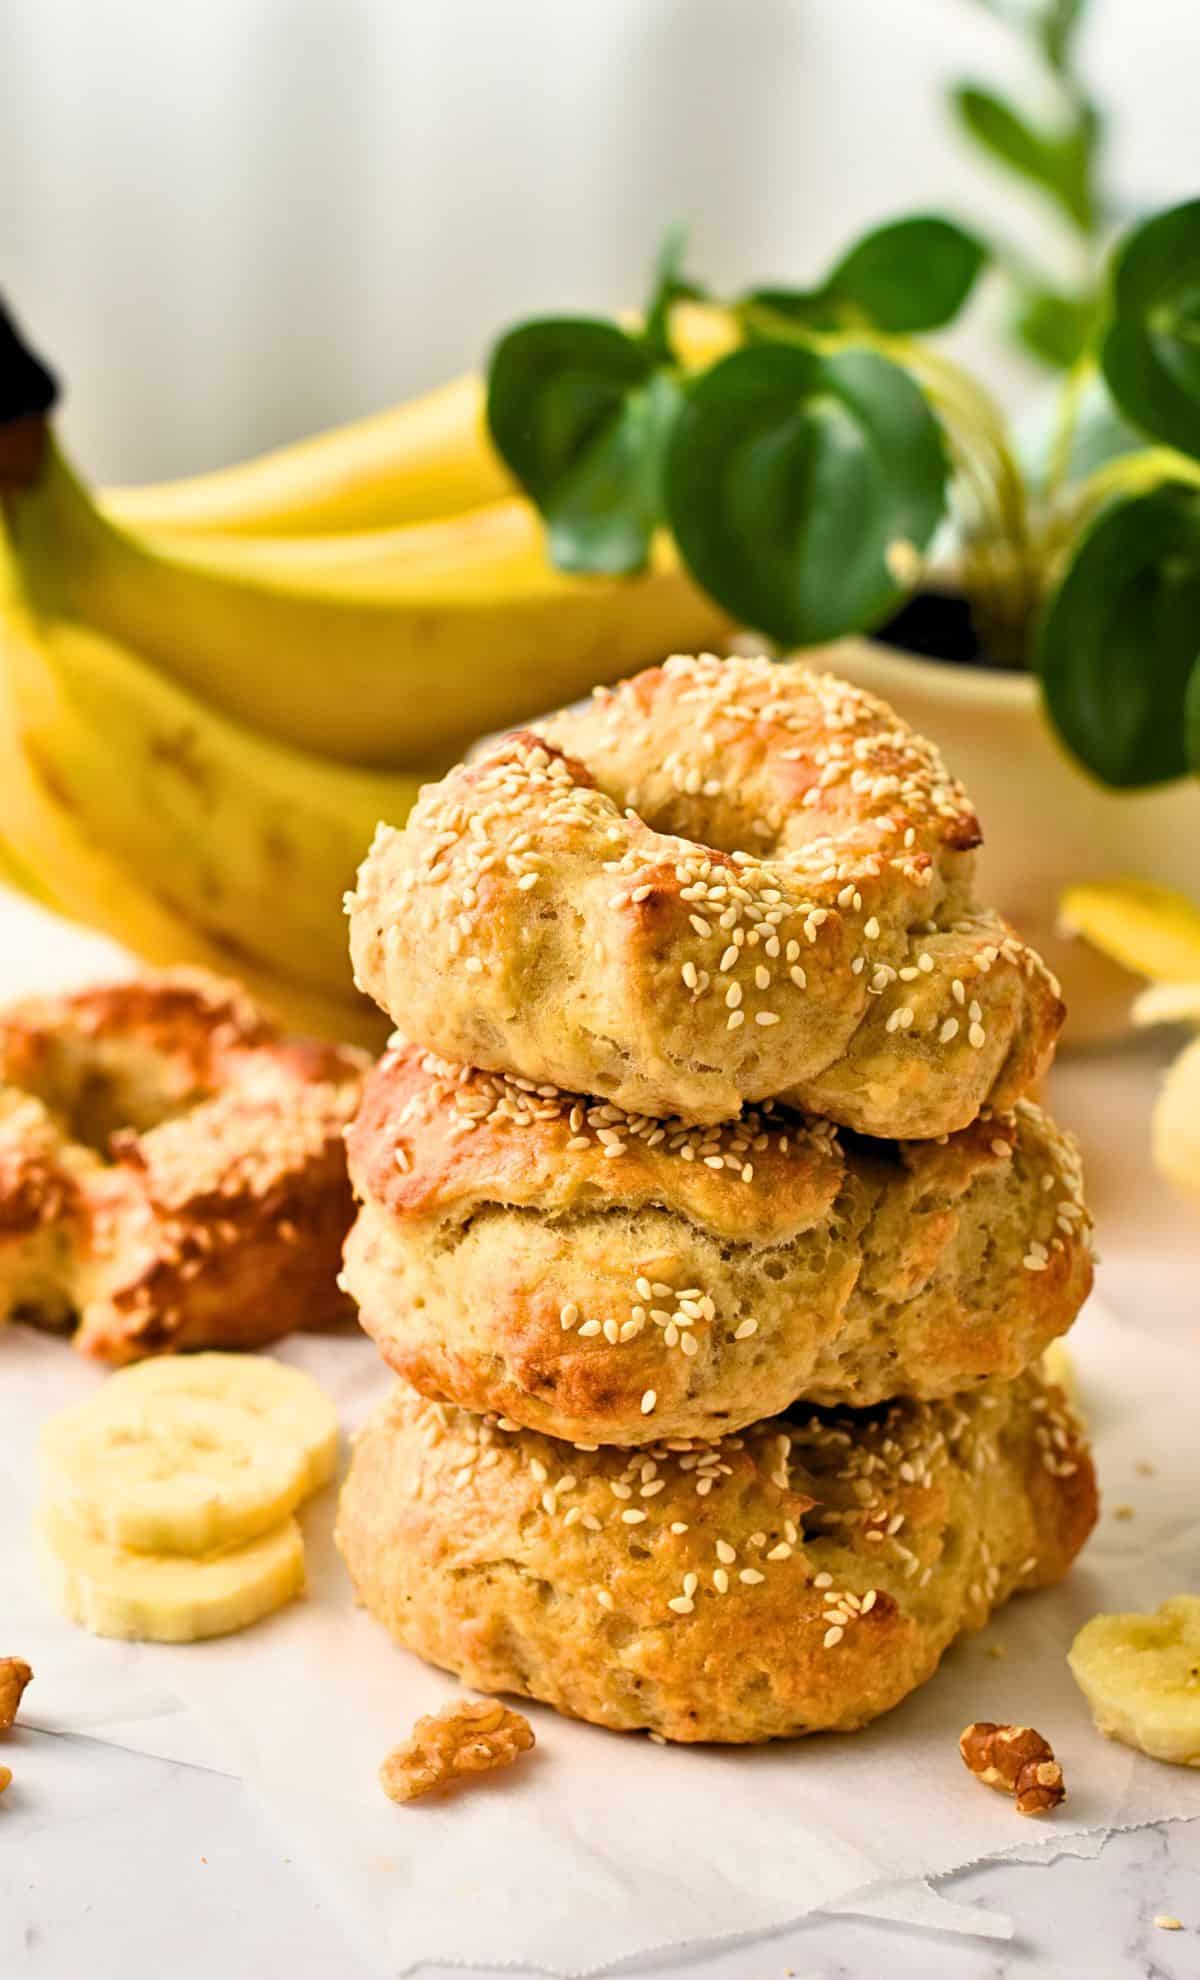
(172, 1168)
(805, 1575)
(722, 881)
(618, 1279)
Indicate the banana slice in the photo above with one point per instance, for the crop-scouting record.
(168, 1474)
(161, 1598)
(1150, 930)
(1141, 1676)
(285, 1400)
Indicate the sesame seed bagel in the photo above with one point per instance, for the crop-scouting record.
(803, 1576)
(721, 881)
(615, 1279)
(172, 1168)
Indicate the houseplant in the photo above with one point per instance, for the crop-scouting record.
(835, 476)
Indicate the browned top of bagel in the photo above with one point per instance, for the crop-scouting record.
(720, 882)
(191, 1161)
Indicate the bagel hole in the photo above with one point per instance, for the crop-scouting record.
(98, 1086)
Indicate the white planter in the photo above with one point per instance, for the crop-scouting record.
(1046, 824)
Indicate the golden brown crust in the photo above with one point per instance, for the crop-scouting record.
(172, 1169)
(616, 1280)
(806, 1575)
(723, 881)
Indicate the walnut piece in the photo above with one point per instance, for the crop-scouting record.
(465, 1738)
(1018, 1761)
(14, 1676)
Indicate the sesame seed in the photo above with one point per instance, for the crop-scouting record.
(833, 1636)
(766, 1017)
(751, 1577)
(744, 1331)
(683, 1605)
(976, 1036)
(634, 1515)
(568, 1315)
(726, 1553)
(648, 1401)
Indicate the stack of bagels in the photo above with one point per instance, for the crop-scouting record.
(705, 1216)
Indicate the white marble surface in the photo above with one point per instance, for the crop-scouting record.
(111, 1861)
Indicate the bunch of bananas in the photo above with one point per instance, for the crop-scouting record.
(212, 691)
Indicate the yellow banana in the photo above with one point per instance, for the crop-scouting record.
(46, 854)
(396, 660)
(144, 812)
(429, 457)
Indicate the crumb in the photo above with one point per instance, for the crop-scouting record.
(657, 1739)
(14, 1676)
(469, 1737)
(1018, 1761)
(1166, 1923)
(1144, 1468)
(5, 1778)
(1122, 1512)
(995, 1650)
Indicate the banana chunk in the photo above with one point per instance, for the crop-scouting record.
(162, 1598)
(1141, 1676)
(288, 1403)
(170, 1474)
(1150, 930)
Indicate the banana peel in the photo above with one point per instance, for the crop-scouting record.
(1149, 930)
(396, 659)
(430, 456)
(53, 849)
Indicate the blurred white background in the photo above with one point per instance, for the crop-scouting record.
(228, 222)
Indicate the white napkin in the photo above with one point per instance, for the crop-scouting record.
(603, 1846)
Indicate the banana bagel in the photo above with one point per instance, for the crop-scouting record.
(722, 880)
(615, 1279)
(172, 1167)
(803, 1576)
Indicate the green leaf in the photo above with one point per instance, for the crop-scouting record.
(1056, 27)
(1151, 353)
(1191, 719)
(1053, 327)
(912, 274)
(605, 510)
(1060, 164)
(793, 480)
(1121, 636)
(770, 313)
(571, 412)
(669, 285)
